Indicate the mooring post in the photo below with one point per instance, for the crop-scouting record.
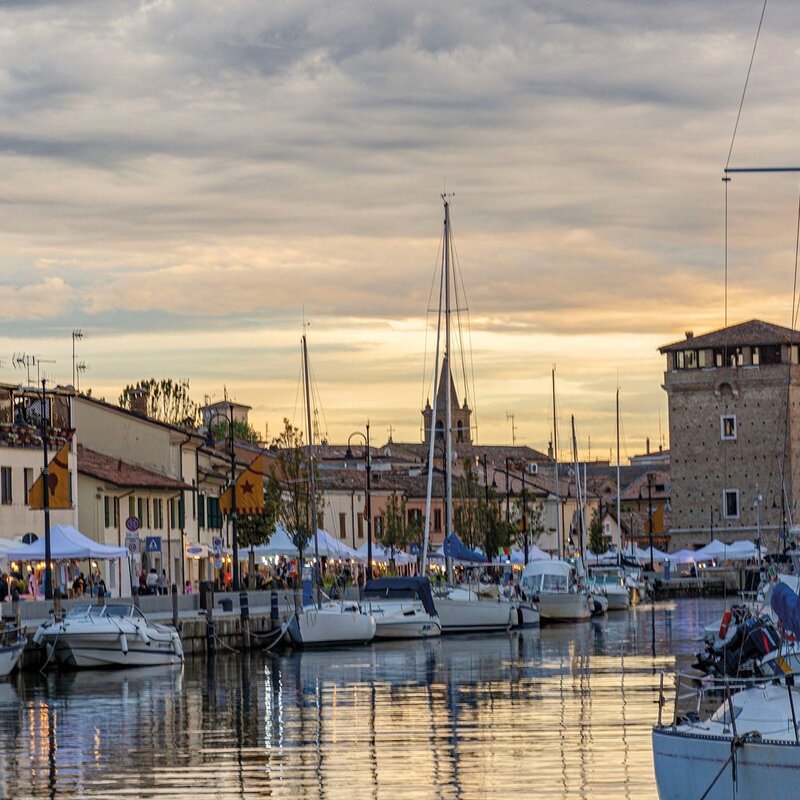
(175, 620)
(57, 608)
(211, 643)
(274, 615)
(244, 613)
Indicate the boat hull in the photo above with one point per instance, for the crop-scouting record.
(618, 601)
(10, 656)
(474, 616)
(400, 626)
(686, 765)
(563, 607)
(321, 627)
(93, 650)
(525, 615)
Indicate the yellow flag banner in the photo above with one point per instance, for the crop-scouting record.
(58, 480)
(249, 490)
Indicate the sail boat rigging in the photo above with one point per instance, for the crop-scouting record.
(312, 474)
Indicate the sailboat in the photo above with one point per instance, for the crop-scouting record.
(325, 623)
(459, 612)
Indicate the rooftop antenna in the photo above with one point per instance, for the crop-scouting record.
(513, 429)
(80, 367)
(76, 335)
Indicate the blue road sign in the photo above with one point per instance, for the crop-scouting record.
(152, 544)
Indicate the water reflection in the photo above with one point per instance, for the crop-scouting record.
(561, 712)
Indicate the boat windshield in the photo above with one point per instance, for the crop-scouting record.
(555, 583)
(118, 610)
(81, 610)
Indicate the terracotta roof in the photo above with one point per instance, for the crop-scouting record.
(754, 332)
(638, 489)
(495, 453)
(120, 473)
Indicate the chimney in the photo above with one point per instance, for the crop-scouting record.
(138, 400)
(648, 446)
(550, 449)
(690, 334)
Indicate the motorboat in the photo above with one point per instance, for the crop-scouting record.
(403, 608)
(114, 635)
(598, 603)
(462, 610)
(610, 581)
(634, 583)
(12, 644)
(728, 740)
(554, 585)
(331, 623)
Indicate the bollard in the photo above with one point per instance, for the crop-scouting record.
(244, 613)
(175, 621)
(57, 608)
(211, 642)
(15, 606)
(274, 616)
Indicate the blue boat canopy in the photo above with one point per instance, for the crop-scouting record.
(786, 604)
(401, 589)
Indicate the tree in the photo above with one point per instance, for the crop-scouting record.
(293, 477)
(394, 530)
(242, 431)
(528, 514)
(467, 514)
(256, 529)
(597, 540)
(498, 534)
(168, 400)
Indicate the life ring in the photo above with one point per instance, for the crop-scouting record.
(725, 624)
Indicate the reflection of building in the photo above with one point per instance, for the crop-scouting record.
(731, 438)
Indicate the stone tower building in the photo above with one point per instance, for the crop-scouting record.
(734, 424)
(461, 414)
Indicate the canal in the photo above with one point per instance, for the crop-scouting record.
(561, 712)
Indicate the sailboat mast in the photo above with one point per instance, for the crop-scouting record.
(619, 487)
(311, 471)
(448, 457)
(555, 456)
(578, 485)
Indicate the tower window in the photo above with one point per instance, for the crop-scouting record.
(730, 503)
(727, 427)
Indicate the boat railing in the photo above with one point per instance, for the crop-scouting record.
(698, 698)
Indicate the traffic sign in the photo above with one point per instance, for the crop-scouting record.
(218, 564)
(153, 544)
(217, 542)
(132, 523)
(132, 543)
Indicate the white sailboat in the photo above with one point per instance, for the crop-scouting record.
(325, 623)
(459, 612)
(12, 645)
(403, 608)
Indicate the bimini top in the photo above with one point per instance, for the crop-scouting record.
(786, 604)
(401, 589)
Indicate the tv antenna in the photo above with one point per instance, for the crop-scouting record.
(80, 367)
(513, 428)
(21, 360)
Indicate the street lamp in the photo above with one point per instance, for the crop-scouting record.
(368, 462)
(209, 440)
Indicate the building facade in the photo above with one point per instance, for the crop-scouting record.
(734, 423)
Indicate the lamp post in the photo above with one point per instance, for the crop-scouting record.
(368, 464)
(233, 515)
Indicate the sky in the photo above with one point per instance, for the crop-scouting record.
(189, 182)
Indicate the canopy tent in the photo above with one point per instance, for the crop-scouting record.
(744, 550)
(681, 557)
(9, 546)
(658, 555)
(714, 551)
(634, 552)
(382, 554)
(609, 557)
(454, 548)
(66, 542)
(281, 544)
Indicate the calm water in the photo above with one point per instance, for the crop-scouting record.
(552, 713)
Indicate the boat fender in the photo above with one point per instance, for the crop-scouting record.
(725, 624)
(123, 643)
(142, 633)
(38, 636)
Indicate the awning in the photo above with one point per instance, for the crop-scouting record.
(66, 543)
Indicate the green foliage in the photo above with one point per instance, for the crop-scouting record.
(394, 529)
(168, 400)
(467, 516)
(293, 477)
(597, 540)
(256, 529)
(497, 533)
(242, 431)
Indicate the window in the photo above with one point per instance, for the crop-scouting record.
(767, 354)
(107, 511)
(173, 517)
(360, 525)
(116, 512)
(131, 506)
(140, 510)
(201, 511)
(182, 511)
(378, 530)
(342, 525)
(730, 503)
(5, 486)
(158, 513)
(28, 482)
(727, 427)
(437, 519)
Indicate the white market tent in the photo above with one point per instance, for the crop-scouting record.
(744, 549)
(382, 554)
(714, 551)
(632, 551)
(658, 555)
(681, 557)
(66, 543)
(281, 544)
